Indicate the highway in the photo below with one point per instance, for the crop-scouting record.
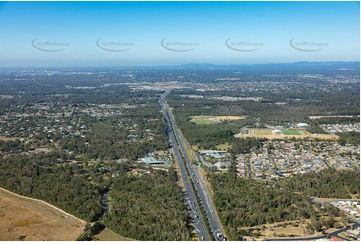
(190, 196)
(194, 177)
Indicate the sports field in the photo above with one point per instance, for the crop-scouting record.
(290, 132)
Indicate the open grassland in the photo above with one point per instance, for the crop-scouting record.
(286, 134)
(204, 119)
(23, 218)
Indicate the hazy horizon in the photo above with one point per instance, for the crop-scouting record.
(94, 34)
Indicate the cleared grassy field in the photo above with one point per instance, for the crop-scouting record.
(291, 132)
(23, 218)
(205, 119)
(261, 131)
(224, 146)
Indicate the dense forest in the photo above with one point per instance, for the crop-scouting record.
(296, 108)
(144, 207)
(242, 146)
(109, 136)
(149, 207)
(243, 203)
(64, 186)
(327, 183)
(352, 138)
(205, 136)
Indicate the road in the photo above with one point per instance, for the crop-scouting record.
(190, 196)
(201, 190)
(249, 168)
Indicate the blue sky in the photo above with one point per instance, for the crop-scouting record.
(192, 32)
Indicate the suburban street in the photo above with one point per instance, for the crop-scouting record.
(201, 190)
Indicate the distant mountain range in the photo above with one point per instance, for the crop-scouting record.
(304, 66)
(329, 64)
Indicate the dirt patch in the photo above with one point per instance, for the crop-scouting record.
(9, 139)
(230, 117)
(109, 235)
(43, 150)
(335, 199)
(23, 218)
(288, 229)
(261, 132)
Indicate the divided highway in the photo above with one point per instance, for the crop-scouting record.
(201, 190)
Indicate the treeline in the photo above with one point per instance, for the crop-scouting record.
(149, 207)
(337, 120)
(329, 183)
